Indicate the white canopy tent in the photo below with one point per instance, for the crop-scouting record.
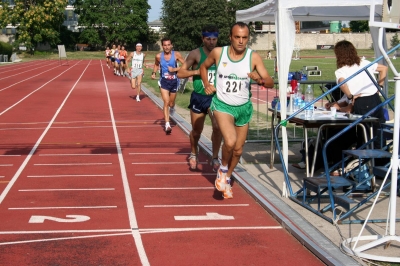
(285, 13)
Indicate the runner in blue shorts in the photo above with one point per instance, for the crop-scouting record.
(231, 105)
(167, 62)
(199, 101)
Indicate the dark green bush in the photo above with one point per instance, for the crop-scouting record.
(6, 49)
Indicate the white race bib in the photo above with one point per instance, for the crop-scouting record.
(233, 86)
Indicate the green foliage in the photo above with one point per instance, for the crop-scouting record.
(113, 21)
(37, 21)
(394, 40)
(359, 26)
(68, 38)
(184, 19)
(6, 49)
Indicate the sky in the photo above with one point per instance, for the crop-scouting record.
(155, 11)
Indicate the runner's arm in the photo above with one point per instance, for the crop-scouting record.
(156, 66)
(263, 78)
(210, 60)
(186, 69)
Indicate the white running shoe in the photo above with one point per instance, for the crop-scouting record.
(137, 98)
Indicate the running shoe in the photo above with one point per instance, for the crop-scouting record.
(137, 98)
(227, 193)
(193, 161)
(220, 181)
(168, 130)
(215, 164)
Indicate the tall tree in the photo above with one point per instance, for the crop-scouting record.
(359, 26)
(113, 21)
(184, 19)
(36, 21)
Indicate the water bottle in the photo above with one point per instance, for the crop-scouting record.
(309, 97)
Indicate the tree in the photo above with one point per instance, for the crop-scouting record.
(359, 26)
(113, 21)
(184, 19)
(36, 21)
(394, 40)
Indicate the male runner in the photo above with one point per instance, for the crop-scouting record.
(117, 61)
(231, 105)
(108, 56)
(167, 62)
(199, 101)
(136, 69)
(112, 59)
(122, 56)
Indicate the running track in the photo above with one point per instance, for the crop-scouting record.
(88, 177)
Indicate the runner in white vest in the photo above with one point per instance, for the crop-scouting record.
(136, 69)
(231, 105)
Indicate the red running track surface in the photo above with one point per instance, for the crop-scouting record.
(88, 177)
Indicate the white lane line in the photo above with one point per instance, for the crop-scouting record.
(169, 230)
(64, 231)
(199, 205)
(158, 153)
(197, 174)
(29, 156)
(257, 99)
(128, 195)
(69, 164)
(36, 128)
(11, 155)
(169, 163)
(173, 188)
(6, 164)
(76, 122)
(63, 238)
(62, 208)
(2, 176)
(70, 175)
(19, 73)
(33, 77)
(65, 189)
(75, 154)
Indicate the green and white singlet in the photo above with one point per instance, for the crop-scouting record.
(232, 82)
(137, 61)
(198, 85)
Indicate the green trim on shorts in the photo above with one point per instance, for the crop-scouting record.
(242, 114)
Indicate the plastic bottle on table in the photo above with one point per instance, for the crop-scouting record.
(309, 97)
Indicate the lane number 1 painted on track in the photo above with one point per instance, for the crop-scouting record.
(37, 219)
(209, 216)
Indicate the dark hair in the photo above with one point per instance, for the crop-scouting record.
(210, 28)
(165, 39)
(241, 25)
(346, 54)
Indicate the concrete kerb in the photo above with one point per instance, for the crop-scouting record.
(294, 223)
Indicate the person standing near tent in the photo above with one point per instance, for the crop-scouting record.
(231, 105)
(136, 69)
(199, 101)
(167, 62)
(361, 88)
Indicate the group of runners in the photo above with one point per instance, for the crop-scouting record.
(221, 82)
(130, 66)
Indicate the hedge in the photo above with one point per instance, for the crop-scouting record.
(6, 49)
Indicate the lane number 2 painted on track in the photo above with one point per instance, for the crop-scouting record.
(37, 219)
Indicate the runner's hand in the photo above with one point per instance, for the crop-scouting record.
(209, 89)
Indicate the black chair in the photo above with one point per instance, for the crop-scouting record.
(335, 95)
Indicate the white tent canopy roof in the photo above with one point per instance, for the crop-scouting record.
(311, 10)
